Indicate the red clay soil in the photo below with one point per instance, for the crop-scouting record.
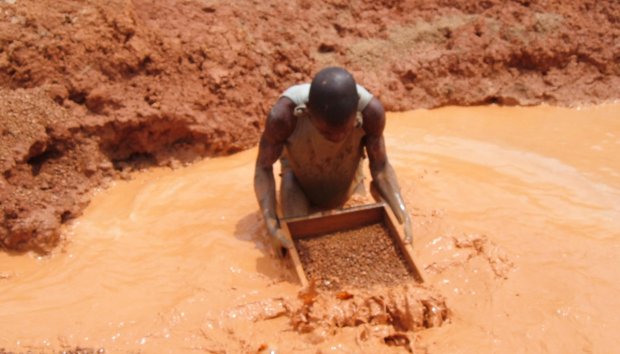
(93, 88)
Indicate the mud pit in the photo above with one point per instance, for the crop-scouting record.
(515, 211)
(516, 224)
(360, 257)
(144, 83)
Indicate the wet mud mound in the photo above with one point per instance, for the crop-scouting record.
(458, 252)
(380, 317)
(152, 82)
(404, 307)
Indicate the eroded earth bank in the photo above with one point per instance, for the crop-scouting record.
(90, 89)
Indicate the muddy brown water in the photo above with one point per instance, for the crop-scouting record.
(516, 219)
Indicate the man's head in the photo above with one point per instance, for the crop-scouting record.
(333, 102)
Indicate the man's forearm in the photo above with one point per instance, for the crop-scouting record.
(387, 185)
(265, 190)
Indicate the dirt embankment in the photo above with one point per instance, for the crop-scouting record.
(90, 89)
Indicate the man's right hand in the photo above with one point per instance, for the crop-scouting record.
(279, 243)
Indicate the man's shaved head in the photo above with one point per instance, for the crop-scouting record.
(333, 95)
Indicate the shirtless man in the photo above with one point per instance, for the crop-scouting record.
(319, 132)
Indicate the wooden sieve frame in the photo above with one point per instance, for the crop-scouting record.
(341, 220)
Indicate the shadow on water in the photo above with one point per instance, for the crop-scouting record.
(251, 228)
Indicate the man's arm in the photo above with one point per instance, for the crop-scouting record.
(383, 176)
(279, 126)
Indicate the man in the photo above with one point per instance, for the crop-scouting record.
(319, 132)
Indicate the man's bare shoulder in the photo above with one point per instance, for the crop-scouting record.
(281, 120)
(374, 118)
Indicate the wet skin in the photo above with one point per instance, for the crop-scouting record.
(281, 124)
(333, 133)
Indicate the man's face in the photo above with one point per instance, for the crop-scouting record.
(334, 133)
